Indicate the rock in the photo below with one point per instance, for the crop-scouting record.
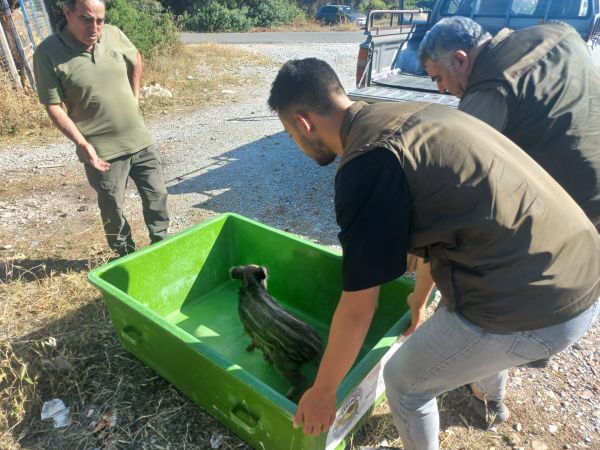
(82, 208)
(518, 427)
(156, 90)
(586, 395)
(227, 91)
(552, 428)
(538, 445)
(587, 439)
(6, 247)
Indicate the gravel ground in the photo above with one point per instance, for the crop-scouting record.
(216, 159)
(235, 157)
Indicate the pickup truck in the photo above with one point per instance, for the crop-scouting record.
(388, 68)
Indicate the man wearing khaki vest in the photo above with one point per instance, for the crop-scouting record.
(537, 86)
(517, 261)
(96, 72)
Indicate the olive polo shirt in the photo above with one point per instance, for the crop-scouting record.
(95, 89)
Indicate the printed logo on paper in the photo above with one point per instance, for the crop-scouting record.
(347, 413)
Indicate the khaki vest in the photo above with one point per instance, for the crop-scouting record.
(507, 246)
(552, 92)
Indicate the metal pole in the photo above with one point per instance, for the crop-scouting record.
(27, 24)
(11, 64)
(17, 39)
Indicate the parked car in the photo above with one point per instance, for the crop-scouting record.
(340, 13)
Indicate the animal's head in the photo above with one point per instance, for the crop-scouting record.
(250, 274)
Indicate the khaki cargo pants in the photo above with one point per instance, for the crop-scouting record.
(145, 170)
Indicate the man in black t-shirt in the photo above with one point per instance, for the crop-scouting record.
(516, 260)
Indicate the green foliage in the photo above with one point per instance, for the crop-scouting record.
(416, 4)
(369, 5)
(214, 16)
(144, 22)
(268, 13)
(238, 15)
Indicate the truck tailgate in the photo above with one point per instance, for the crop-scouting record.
(377, 93)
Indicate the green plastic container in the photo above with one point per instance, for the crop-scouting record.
(174, 306)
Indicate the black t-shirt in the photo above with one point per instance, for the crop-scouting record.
(372, 206)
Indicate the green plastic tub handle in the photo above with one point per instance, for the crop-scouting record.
(244, 418)
(131, 335)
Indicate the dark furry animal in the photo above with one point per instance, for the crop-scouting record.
(285, 341)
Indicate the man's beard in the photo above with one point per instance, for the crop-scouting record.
(320, 152)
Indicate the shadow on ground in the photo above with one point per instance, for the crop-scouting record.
(268, 180)
(38, 269)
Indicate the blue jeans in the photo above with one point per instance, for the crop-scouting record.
(447, 351)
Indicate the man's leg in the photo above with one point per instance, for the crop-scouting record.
(110, 187)
(447, 352)
(146, 172)
(528, 344)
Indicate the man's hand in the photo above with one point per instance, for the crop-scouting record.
(349, 326)
(316, 410)
(89, 156)
(417, 313)
(85, 151)
(417, 301)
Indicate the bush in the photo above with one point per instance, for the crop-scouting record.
(144, 22)
(213, 16)
(416, 4)
(237, 15)
(370, 5)
(269, 13)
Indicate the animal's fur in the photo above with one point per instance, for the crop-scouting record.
(285, 341)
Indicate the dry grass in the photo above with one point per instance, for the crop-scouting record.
(311, 25)
(58, 342)
(195, 74)
(19, 112)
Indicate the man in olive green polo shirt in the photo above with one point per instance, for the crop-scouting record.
(96, 72)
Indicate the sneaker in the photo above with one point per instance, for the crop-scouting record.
(494, 413)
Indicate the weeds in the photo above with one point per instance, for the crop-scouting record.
(195, 74)
(19, 112)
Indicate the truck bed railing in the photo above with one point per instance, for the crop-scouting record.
(393, 21)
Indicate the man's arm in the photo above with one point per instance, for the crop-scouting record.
(349, 327)
(64, 123)
(135, 72)
(417, 301)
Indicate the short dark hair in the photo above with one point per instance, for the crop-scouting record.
(305, 83)
(71, 4)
